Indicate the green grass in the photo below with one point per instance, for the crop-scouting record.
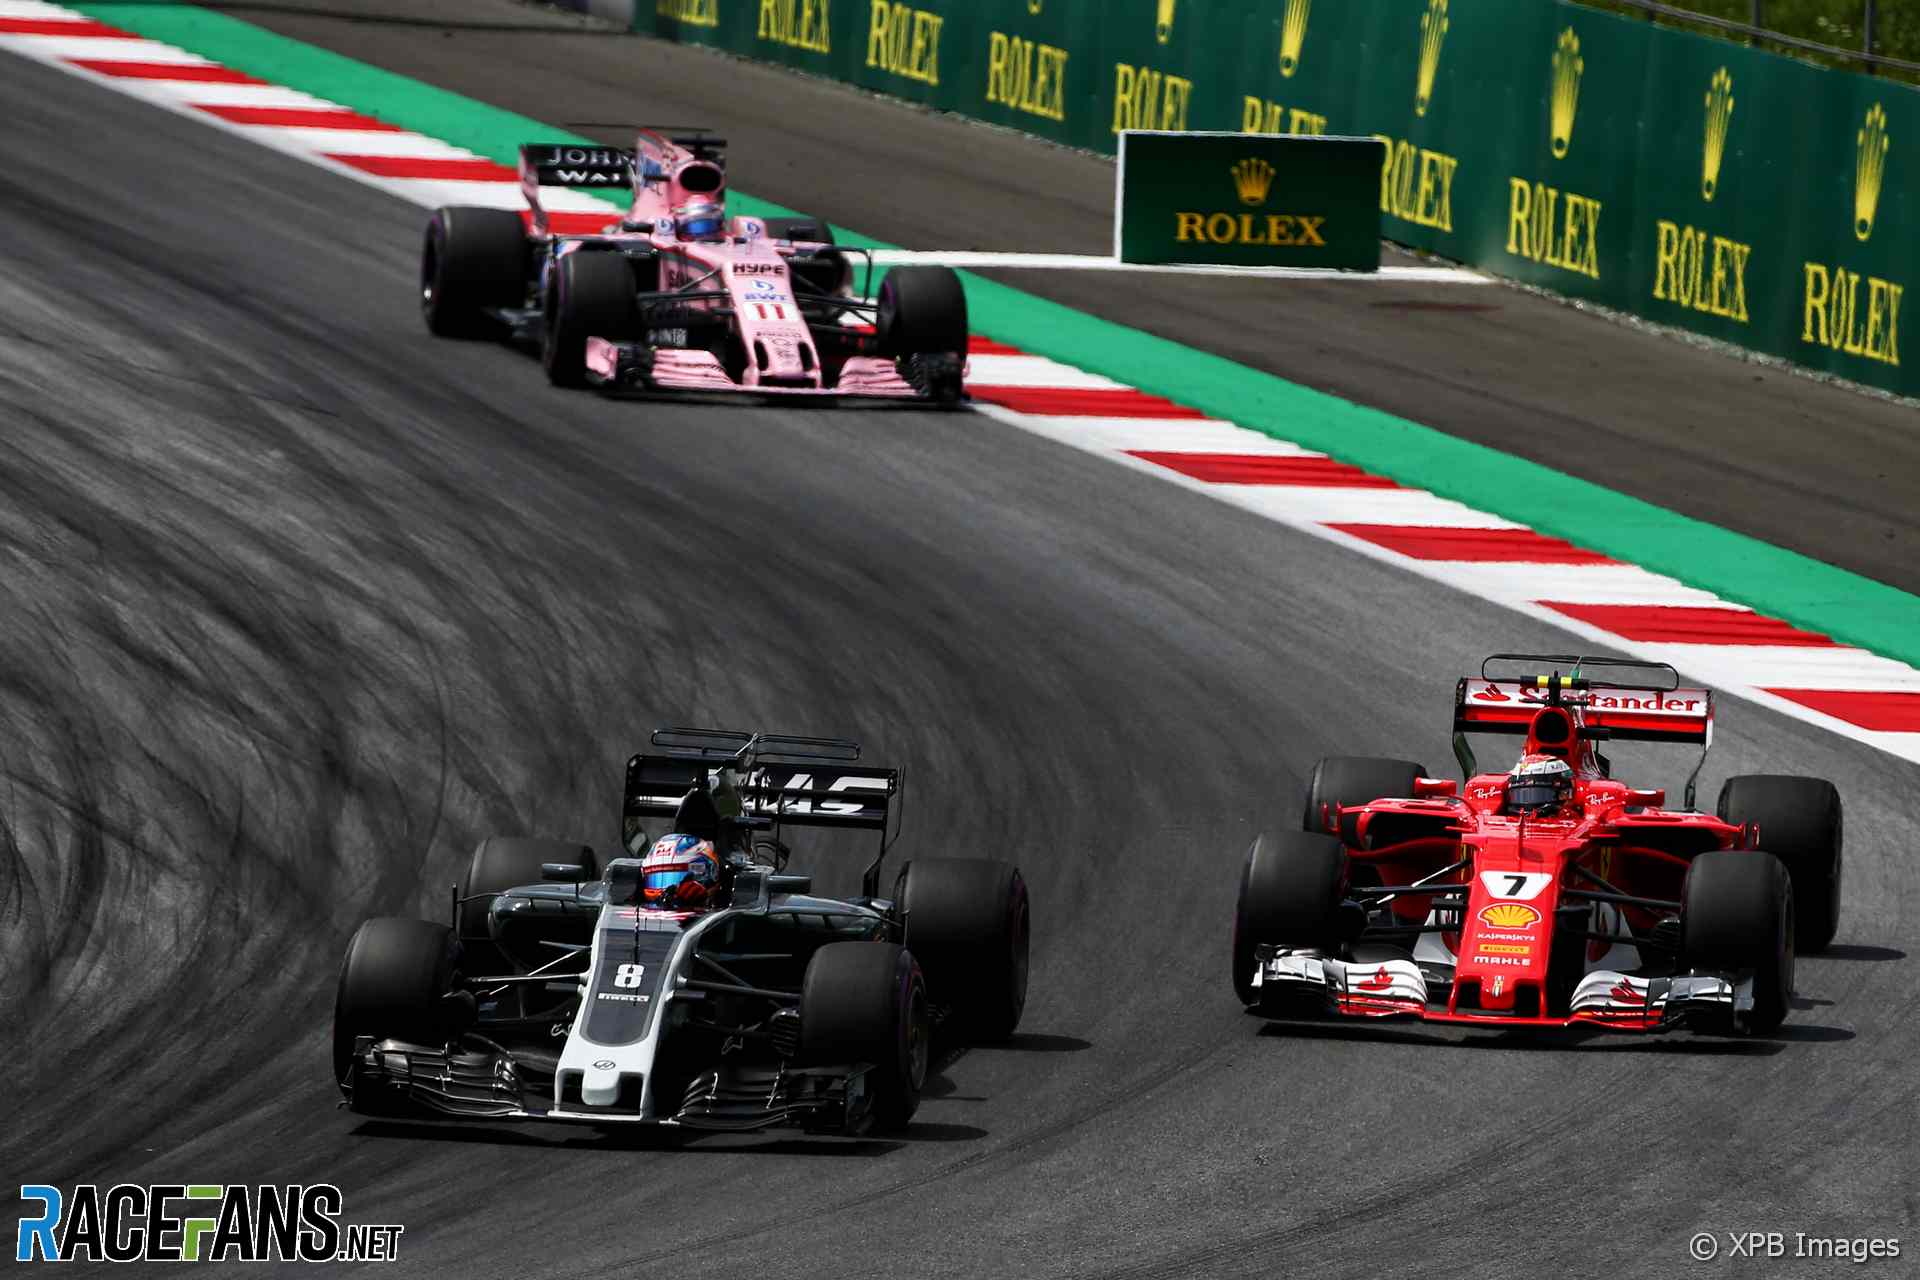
(1841, 23)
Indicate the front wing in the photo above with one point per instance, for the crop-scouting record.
(1295, 984)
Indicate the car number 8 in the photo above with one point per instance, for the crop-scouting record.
(629, 975)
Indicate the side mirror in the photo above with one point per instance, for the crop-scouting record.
(1434, 788)
(563, 872)
(1647, 797)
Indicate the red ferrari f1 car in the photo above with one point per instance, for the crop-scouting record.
(1549, 895)
(678, 296)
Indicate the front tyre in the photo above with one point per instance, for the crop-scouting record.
(866, 1002)
(589, 295)
(390, 986)
(1739, 918)
(922, 311)
(1292, 888)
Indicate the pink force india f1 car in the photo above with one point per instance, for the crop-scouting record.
(678, 296)
(1550, 895)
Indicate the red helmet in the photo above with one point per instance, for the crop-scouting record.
(680, 873)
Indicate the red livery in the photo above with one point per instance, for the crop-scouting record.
(1549, 894)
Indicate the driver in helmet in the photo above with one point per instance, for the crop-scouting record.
(701, 219)
(680, 873)
(1540, 786)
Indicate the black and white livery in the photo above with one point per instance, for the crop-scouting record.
(556, 992)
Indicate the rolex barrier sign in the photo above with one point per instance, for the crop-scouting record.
(1737, 193)
(1248, 200)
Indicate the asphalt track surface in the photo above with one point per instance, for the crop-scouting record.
(1814, 467)
(300, 603)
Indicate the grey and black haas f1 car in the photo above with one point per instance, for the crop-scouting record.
(561, 990)
(678, 295)
(1549, 895)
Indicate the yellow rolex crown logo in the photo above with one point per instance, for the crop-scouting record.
(1163, 24)
(1433, 33)
(1870, 168)
(1253, 178)
(1719, 115)
(1293, 34)
(1567, 69)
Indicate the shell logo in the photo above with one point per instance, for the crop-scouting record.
(1509, 915)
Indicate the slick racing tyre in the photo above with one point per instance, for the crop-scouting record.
(828, 273)
(1350, 780)
(473, 259)
(500, 863)
(1738, 917)
(1292, 888)
(970, 924)
(589, 295)
(1799, 822)
(390, 986)
(866, 1002)
(922, 311)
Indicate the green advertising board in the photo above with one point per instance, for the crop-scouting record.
(1248, 200)
(1737, 193)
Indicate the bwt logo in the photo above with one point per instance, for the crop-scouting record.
(197, 1223)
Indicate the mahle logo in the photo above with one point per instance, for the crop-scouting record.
(1433, 33)
(1163, 22)
(1293, 34)
(1253, 178)
(1719, 116)
(1870, 168)
(1568, 67)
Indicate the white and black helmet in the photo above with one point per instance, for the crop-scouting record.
(1539, 783)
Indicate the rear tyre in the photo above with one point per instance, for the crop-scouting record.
(828, 273)
(1799, 822)
(1350, 780)
(390, 985)
(922, 311)
(500, 863)
(473, 259)
(1292, 887)
(589, 295)
(1739, 917)
(970, 925)
(866, 1002)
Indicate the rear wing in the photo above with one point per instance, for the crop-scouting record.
(1614, 699)
(778, 779)
(1617, 713)
(580, 168)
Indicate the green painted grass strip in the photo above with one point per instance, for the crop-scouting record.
(1803, 591)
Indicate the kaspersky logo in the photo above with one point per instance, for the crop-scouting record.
(1163, 22)
(1293, 34)
(1719, 116)
(1568, 66)
(1253, 178)
(1433, 34)
(196, 1223)
(1870, 168)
